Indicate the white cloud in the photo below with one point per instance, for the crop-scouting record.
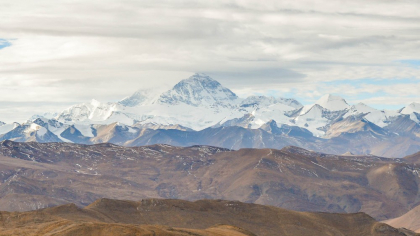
(76, 50)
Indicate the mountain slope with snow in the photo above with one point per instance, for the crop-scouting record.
(92, 111)
(200, 103)
(141, 97)
(333, 103)
(199, 90)
(412, 107)
(413, 110)
(380, 118)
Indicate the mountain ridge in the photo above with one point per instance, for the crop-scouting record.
(200, 105)
(36, 175)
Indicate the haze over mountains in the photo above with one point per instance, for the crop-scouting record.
(199, 110)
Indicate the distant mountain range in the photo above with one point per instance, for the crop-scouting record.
(199, 110)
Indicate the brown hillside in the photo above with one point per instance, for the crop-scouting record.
(414, 158)
(38, 175)
(410, 220)
(178, 217)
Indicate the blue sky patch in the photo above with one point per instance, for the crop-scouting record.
(411, 62)
(4, 43)
(371, 81)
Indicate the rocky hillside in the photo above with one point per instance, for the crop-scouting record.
(36, 175)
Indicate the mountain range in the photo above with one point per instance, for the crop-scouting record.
(38, 175)
(200, 111)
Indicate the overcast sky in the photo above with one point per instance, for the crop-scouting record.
(57, 53)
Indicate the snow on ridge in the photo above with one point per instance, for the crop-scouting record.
(333, 103)
(142, 97)
(380, 118)
(198, 90)
(46, 115)
(41, 132)
(412, 107)
(199, 102)
(32, 127)
(94, 111)
(264, 101)
(413, 110)
(85, 130)
(312, 118)
(5, 128)
(95, 103)
(362, 108)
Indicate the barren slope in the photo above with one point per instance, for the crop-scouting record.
(177, 217)
(410, 220)
(414, 158)
(35, 175)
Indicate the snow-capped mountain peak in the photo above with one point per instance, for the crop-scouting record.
(4, 128)
(263, 101)
(198, 89)
(199, 105)
(141, 97)
(361, 108)
(333, 103)
(200, 102)
(94, 110)
(47, 115)
(95, 103)
(412, 107)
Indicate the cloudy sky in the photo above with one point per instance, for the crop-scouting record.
(57, 53)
